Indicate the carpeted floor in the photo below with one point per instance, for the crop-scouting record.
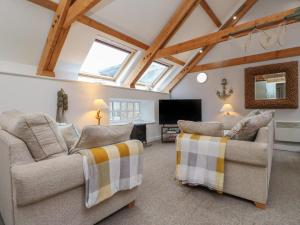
(162, 201)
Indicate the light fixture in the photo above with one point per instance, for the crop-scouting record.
(201, 78)
(100, 105)
(227, 109)
(201, 50)
(234, 18)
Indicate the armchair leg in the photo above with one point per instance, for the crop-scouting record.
(260, 205)
(131, 204)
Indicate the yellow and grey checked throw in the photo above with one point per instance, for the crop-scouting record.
(110, 169)
(200, 160)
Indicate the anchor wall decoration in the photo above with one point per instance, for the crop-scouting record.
(224, 93)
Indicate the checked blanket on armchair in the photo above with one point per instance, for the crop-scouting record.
(110, 169)
(200, 160)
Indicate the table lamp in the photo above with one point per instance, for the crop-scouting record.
(101, 105)
(227, 109)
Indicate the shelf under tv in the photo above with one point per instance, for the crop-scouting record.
(169, 133)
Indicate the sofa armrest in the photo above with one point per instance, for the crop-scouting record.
(252, 153)
(39, 180)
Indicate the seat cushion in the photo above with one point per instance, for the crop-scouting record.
(251, 153)
(38, 130)
(214, 129)
(39, 180)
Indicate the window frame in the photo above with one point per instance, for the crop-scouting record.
(112, 111)
(119, 47)
(169, 67)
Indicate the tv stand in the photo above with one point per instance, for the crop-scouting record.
(169, 133)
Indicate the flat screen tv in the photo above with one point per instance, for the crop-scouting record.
(170, 111)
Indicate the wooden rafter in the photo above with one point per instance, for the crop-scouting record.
(105, 29)
(53, 38)
(80, 7)
(184, 9)
(223, 35)
(210, 13)
(245, 7)
(285, 53)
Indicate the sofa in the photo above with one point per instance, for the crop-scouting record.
(247, 164)
(48, 192)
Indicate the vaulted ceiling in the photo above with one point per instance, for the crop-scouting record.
(141, 20)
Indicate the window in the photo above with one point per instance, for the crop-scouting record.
(105, 60)
(153, 74)
(124, 111)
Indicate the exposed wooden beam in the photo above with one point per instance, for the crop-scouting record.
(245, 7)
(105, 29)
(285, 53)
(53, 38)
(164, 36)
(78, 8)
(223, 35)
(210, 13)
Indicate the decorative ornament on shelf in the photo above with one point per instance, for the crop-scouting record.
(224, 93)
(62, 106)
(100, 105)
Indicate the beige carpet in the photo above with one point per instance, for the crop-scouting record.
(162, 201)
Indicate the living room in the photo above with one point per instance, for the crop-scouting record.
(149, 112)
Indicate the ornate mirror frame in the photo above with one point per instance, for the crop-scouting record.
(291, 100)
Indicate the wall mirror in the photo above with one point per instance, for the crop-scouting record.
(272, 86)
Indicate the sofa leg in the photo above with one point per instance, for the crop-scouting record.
(131, 204)
(260, 205)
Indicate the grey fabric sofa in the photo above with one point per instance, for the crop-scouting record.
(248, 167)
(48, 192)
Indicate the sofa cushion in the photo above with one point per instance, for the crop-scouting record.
(97, 136)
(248, 127)
(251, 153)
(38, 130)
(39, 180)
(69, 133)
(214, 129)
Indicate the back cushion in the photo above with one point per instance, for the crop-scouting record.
(69, 133)
(39, 132)
(214, 129)
(98, 136)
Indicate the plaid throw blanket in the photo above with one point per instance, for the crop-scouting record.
(110, 169)
(200, 160)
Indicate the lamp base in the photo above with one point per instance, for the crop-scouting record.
(98, 117)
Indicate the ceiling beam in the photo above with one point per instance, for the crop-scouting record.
(285, 53)
(78, 8)
(245, 7)
(181, 13)
(223, 35)
(53, 37)
(210, 13)
(105, 29)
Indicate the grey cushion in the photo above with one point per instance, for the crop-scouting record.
(248, 127)
(214, 129)
(69, 133)
(97, 136)
(38, 130)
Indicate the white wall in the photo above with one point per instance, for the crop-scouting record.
(189, 88)
(36, 94)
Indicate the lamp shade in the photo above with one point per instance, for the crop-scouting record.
(100, 104)
(227, 108)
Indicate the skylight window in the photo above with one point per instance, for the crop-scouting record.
(154, 73)
(105, 60)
